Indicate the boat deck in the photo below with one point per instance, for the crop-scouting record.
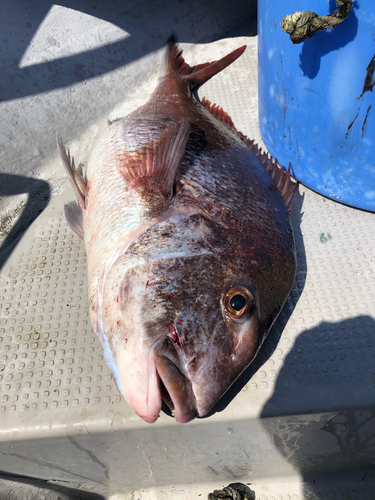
(299, 423)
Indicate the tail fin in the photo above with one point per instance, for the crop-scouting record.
(174, 64)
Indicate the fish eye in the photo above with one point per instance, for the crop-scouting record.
(238, 301)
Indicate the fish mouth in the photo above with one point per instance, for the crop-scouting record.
(176, 389)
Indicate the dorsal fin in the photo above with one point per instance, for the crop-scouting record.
(154, 166)
(278, 174)
(218, 113)
(174, 64)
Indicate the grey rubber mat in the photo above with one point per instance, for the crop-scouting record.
(305, 407)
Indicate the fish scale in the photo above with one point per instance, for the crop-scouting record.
(189, 245)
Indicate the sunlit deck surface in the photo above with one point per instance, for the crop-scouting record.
(299, 423)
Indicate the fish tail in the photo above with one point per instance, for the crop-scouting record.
(173, 64)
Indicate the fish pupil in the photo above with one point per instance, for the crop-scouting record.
(237, 302)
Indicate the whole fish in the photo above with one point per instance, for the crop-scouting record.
(190, 249)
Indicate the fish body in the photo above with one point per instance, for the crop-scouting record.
(189, 244)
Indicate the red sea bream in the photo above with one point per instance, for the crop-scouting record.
(190, 249)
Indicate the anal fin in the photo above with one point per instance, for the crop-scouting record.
(76, 179)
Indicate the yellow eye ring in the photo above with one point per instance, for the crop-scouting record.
(238, 301)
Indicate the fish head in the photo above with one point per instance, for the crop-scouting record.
(184, 323)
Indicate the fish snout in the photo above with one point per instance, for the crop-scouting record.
(176, 388)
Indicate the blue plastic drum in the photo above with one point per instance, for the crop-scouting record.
(316, 99)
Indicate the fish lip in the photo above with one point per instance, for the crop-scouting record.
(180, 397)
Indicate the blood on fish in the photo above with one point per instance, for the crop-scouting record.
(170, 296)
(117, 298)
(148, 281)
(180, 321)
(174, 335)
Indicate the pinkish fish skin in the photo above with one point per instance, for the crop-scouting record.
(190, 249)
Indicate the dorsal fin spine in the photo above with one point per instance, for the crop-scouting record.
(280, 176)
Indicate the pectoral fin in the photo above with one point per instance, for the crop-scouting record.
(154, 167)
